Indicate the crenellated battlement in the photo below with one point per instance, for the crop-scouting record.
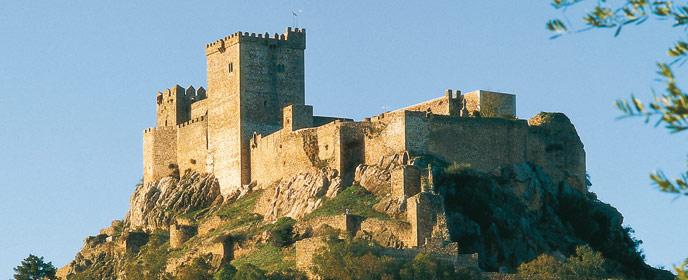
(293, 38)
(162, 128)
(189, 94)
(174, 104)
(192, 121)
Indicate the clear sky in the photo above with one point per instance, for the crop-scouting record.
(79, 80)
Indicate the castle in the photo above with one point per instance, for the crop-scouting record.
(252, 126)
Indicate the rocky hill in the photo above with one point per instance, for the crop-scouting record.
(493, 220)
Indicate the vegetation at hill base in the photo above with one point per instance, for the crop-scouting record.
(362, 260)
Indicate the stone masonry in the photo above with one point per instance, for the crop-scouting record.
(252, 126)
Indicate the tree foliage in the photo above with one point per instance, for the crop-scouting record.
(585, 264)
(668, 108)
(361, 260)
(34, 268)
(281, 233)
(226, 272)
(425, 266)
(349, 261)
(250, 272)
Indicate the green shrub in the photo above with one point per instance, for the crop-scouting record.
(227, 272)
(352, 261)
(250, 272)
(281, 233)
(470, 273)
(289, 274)
(585, 264)
(543, 267)
(425, 266)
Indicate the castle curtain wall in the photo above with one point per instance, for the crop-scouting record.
(159, 151)
(483, 143)
(192, 145)
(384, 135)
(287, 153)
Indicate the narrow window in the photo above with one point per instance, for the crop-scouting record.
(230, 68)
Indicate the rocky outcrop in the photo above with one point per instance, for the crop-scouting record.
(377, 180)
(154, 206)
(299, 195)
(516, 213)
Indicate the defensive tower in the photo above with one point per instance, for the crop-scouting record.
(251, 77)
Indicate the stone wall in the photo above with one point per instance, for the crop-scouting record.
(180, 234)
(224, 143)
(491, 104)
(296, 117)
(159, 152)
(199, 108)
(192, 145)
(306, 249)
(405, 181)
(449, 104)
(483, 143)
(422, 213)
(384, 135)
(172, 107)
(287, 153)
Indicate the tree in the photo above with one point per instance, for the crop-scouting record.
(361, 260)
(425, 266)
(542, 267)
(669, 108)
(349, 260)
(33, 268)
(584, 264)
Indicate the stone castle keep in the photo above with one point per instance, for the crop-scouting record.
(252, 126)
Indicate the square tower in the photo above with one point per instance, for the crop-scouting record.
(250, 79)
(173, 106)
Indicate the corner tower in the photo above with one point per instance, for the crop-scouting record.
(250, 79)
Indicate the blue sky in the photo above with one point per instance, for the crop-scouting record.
(79, 81)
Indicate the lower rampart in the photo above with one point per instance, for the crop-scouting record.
(159, 152)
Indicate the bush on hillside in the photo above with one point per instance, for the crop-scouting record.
(250, 272)
(281, 233)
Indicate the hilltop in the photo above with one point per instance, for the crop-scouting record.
(244, 173)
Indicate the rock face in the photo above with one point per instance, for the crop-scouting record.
(299, 195)
(516, 213)
(153, 206)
